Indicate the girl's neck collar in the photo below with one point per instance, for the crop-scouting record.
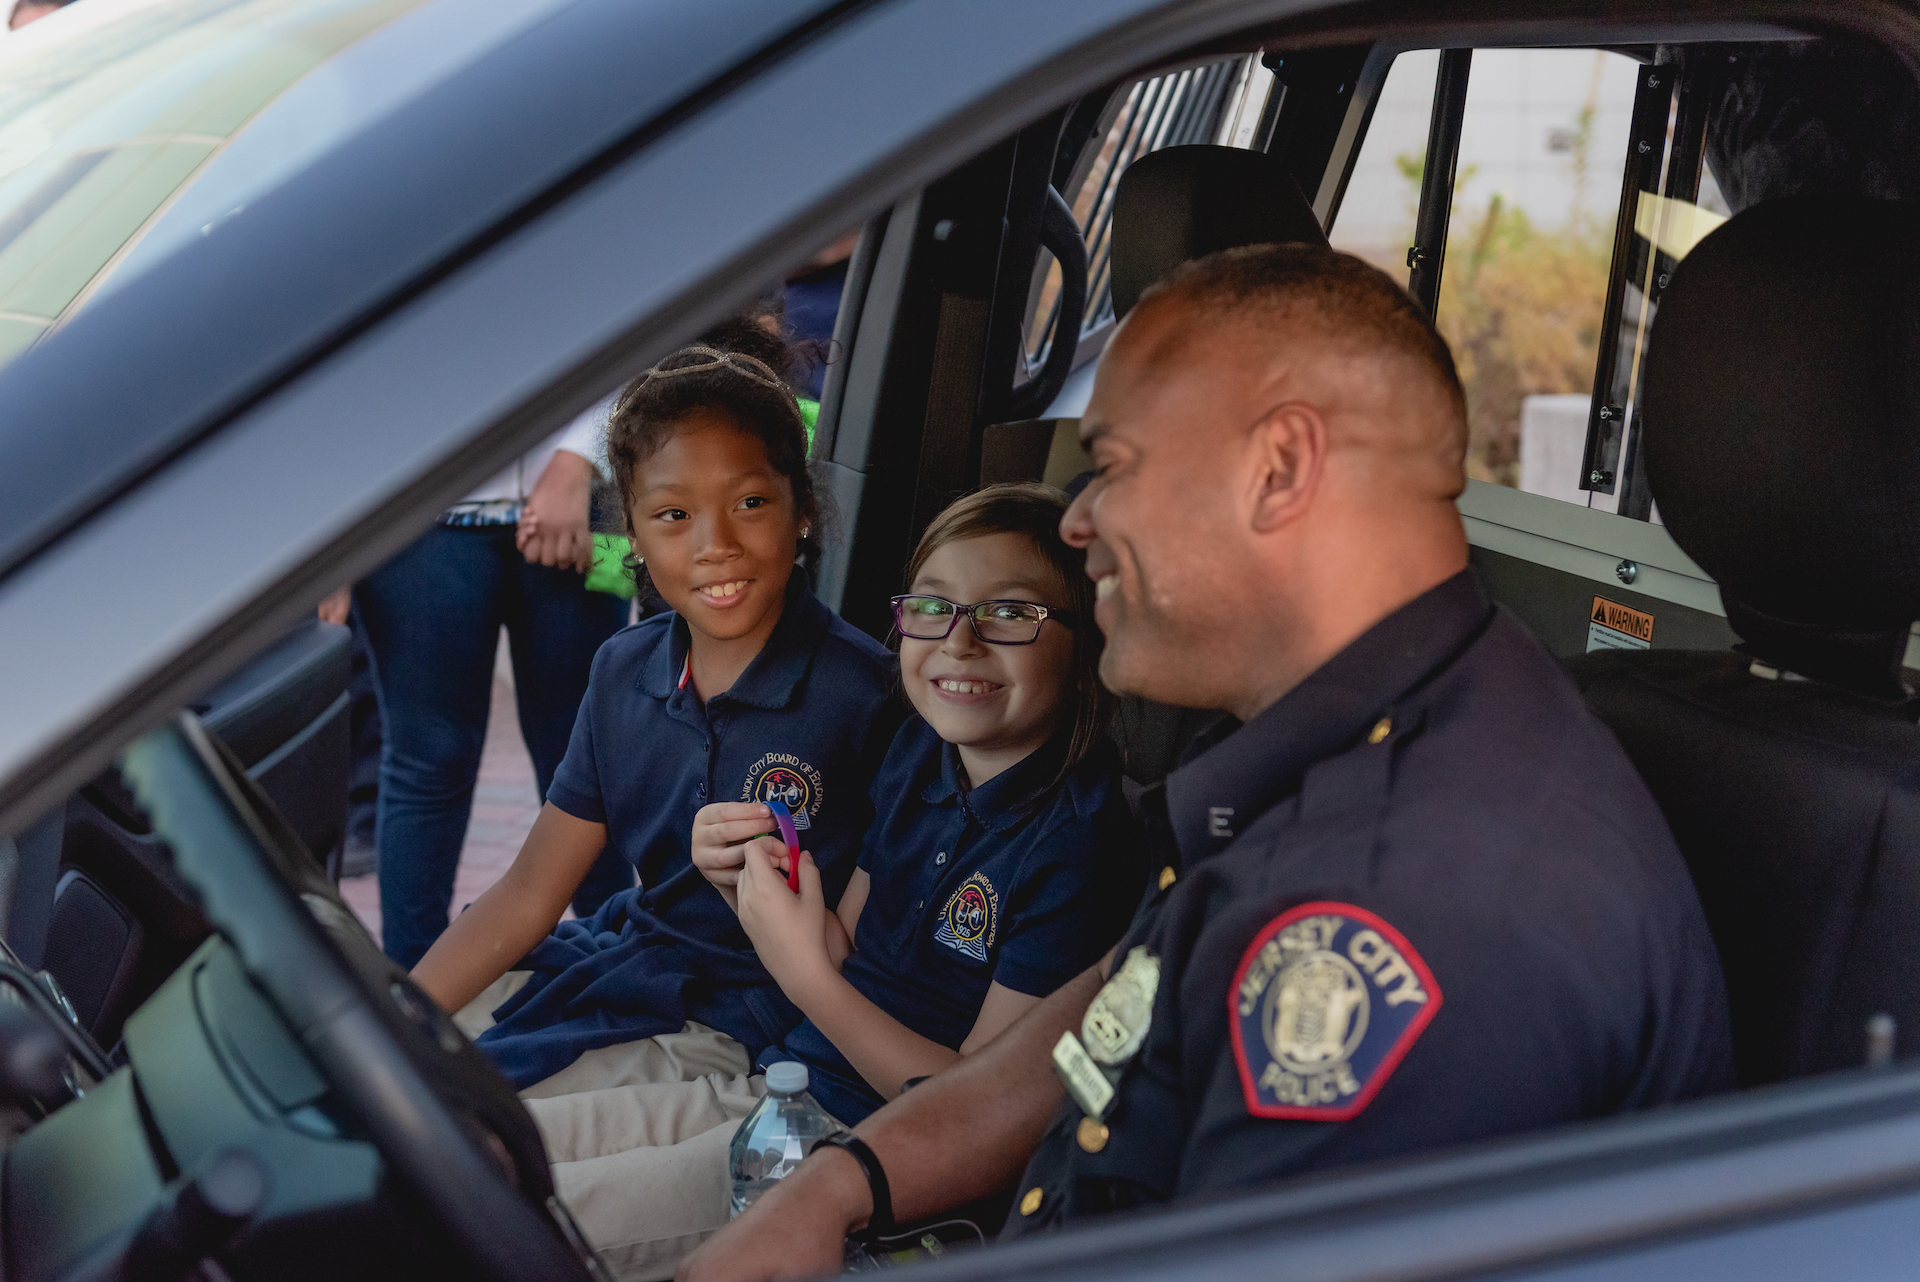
(979, 768)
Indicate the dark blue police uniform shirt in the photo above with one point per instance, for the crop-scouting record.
(1421, 900)
(806, 722)
(1010, 882)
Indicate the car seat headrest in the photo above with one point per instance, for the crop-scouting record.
(1782, 420)
(1180, 203)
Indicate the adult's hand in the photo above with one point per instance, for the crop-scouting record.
(335, 605)
(554, 529)
(798, 1228)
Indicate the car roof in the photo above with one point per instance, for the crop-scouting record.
(124, 386)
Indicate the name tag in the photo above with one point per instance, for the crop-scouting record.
(1085, 1082)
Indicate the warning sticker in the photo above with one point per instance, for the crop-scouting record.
(1613, 626)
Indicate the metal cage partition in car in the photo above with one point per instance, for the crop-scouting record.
(1169, 110)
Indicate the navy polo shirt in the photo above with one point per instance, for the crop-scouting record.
(1016, 882)
(1421, 900)
(806, 722)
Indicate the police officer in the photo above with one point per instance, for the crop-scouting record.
(1408, 894)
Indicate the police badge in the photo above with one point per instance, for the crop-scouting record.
(1327, 1000)
(1111, 1034)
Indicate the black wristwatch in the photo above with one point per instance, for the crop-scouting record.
(880, 1223)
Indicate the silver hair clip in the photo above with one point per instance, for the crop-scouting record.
(739, 362)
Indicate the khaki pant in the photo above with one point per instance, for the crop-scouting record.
(638, 1137)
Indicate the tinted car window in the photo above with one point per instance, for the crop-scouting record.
(1541, 151)
(128, 128)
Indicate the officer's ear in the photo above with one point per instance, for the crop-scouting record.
(1286, 453)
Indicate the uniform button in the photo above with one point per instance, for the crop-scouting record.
(940, 858)
(703, 792)
(1381, 730)
(1168, 876)
(1031, 1202)
(922, 904)
(1092, 1134)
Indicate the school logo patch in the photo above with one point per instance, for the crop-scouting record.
(1327, 1001)
(783, 777)
(970, 917)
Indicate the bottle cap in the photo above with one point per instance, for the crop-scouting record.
(788, 1077)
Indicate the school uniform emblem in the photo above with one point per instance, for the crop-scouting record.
(783, 777)
(969, 918)
(1327, 1001)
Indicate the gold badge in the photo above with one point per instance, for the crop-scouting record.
(1092, 1134)
(1117, 1021)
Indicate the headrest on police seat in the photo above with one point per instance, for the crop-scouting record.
(1187, 202)
(1782, 417)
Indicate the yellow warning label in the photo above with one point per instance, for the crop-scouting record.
(1635, 623)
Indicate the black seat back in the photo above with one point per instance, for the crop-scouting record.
(1782, 429)
(1181, 203)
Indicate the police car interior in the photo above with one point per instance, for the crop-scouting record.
(241, 374)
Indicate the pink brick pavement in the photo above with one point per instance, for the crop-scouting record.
(505, 802)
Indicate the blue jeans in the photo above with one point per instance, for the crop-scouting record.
(433, 616)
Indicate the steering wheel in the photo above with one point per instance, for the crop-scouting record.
(441, 1115)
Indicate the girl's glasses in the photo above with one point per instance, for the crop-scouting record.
(932, 618)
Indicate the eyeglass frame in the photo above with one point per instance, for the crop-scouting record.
(1065, 618)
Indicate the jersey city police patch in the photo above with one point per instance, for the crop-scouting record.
(1327, 1001)
(783, 777)
(969, 918)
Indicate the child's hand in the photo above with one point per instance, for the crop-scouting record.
(719, 831)
(787, 930)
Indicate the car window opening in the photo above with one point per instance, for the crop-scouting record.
(1539, 202)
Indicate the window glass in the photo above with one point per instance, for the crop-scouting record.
(129, 126)
(1523, 289)
(1383, 192)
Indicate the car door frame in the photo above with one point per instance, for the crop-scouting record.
(442, 388)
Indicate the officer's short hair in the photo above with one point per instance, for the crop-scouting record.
(1341, 296)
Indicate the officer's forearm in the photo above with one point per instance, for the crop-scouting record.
(969, 1131)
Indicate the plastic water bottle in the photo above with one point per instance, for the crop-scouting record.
(782, 1129)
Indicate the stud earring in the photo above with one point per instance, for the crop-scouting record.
(805, 530)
